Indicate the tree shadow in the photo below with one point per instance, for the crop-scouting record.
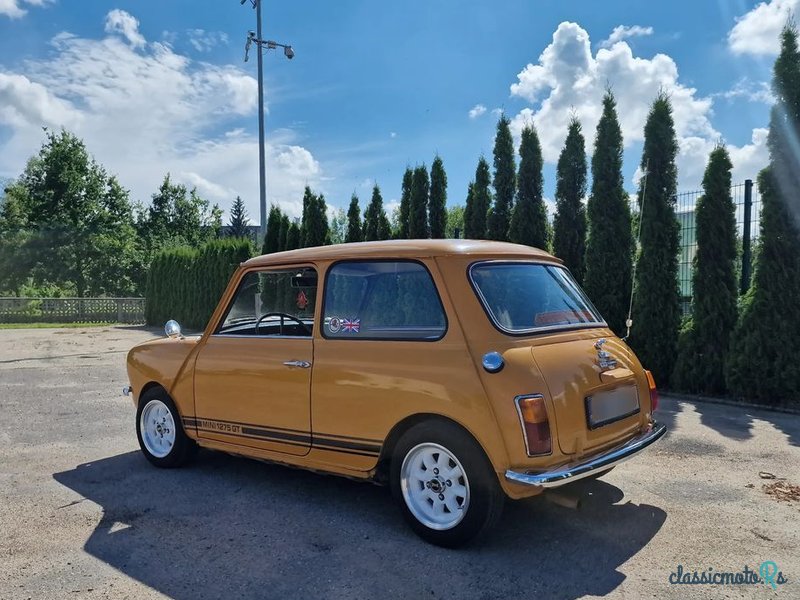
(736, 422)
(232, 527)
(667, 413)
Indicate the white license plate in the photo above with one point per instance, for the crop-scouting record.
(606, 407)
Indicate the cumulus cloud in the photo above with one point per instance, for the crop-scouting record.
(758, 32)
(205, 41)
(144, 110)
(568, 79)
(14, 8)
(476, 111)
(623, 32)
(752, 91)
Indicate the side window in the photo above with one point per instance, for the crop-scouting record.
(382, 300)
(279, 303)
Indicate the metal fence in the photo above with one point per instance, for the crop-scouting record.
(748, 212)
(72, 310)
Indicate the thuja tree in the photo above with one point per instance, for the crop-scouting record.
(763, 363)
(316, 222)
(609, 247)
(703, 344)
(437, 211)
(272, 239)
(405, 203)
(376, 223)
(656, 302)
(569, 225)
(354, 233)
(478, 200)
(504, 181)
(418, 209)
(529, 224)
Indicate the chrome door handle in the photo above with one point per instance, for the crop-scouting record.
(303, 364)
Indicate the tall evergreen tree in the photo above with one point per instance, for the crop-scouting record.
(437, 211)
(529, 224)
(569, 225)
(376, 223)
(505, 174)
(308, 200)
(238, 219)
(656, 302)
(478, 202)
(272, 237)
(405, 204)
(316, 224)
(469, 209)
(763, 363)
(610, 244)
(293, 237)
(354, 233)
(703, 345)
(283, 234)
(418, 208)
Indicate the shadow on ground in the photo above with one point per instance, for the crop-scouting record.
(231, 527)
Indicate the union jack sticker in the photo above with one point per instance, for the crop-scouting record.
(351, 325)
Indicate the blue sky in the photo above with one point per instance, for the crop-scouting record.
(156, 86)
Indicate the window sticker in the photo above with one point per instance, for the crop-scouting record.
(351, 325)
(335, 324)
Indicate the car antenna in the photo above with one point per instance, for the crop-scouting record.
(629, 321)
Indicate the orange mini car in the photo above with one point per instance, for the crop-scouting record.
(459, 372)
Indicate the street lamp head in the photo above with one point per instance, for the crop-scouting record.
(289, 52)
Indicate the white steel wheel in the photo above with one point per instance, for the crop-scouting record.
(434, 486)
(157, 428)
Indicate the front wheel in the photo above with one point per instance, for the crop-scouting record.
(444, 484)
(160, 431)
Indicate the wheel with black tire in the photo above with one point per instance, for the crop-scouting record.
(160, 431)
(445, 484)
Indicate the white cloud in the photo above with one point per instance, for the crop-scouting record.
(476, 111)
(569, 80)
(758, 31)
(13, 8)
(623, 32)
(205, 41)
(119, 21)
(752, 91)
(144, 110)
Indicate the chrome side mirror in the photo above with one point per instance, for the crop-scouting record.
(173, 329)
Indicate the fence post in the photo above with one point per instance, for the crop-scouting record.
(746, 252)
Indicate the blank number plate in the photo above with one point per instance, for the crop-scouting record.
(612, 405)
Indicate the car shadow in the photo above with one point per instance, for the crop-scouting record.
(232, 527)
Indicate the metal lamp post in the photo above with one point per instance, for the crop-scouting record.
(254, 37)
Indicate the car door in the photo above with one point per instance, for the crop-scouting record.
(252, 379)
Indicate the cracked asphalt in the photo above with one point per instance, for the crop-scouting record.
(83, 515)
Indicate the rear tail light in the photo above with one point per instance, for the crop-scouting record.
(651, 383)
(535, 426)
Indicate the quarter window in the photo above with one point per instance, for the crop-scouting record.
(382, 300)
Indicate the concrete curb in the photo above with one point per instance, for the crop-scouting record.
(729, 402)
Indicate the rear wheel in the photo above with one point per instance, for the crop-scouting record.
(160, 431)
(444, 484)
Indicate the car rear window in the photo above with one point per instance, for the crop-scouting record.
(525, 297)
(382, 300)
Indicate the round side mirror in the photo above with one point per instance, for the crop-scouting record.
(172, 329)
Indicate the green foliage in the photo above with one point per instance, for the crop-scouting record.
(569, 225)
(504, 181)
(437, 210)
(376, 223)
(186, 283)
(418, 208)
(308, 200)
(238, 219)
(293, 237)
(405, 204)
(354, 233)
(703, 346)
(315, 223)
(455, 222)
(529, 224)
(272, 239)
(479, 198)
(610, 243)
(656, 303)
(338, 227)
(763, 362)
(283, 232)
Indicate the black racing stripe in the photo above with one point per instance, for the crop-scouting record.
(316, 440)
(250, 437)
(275, 435)
(343, 451)
(300, 431)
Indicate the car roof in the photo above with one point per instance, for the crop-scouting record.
(404, 249)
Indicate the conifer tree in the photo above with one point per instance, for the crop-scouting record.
(238, 219)
(354, 233)
(504, 181)
(418, 208)
(272, 237)
(763, 362)
(656, 302)
(478, 202)
(308, 199)
(610, 244)
(293, 237)
(569, 225)
(437, 211)
(284, 232)
(529, 224)
(316, 224)
(376, 223)
(469, 207)
(405, 204)
(703, 345)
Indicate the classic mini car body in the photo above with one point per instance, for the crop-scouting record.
(460, 372)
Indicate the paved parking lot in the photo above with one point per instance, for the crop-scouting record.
(83, 515)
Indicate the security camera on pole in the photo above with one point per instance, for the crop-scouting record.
(254, 37)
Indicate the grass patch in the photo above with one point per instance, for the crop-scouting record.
(51, 325)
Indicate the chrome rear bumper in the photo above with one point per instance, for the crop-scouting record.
(579, 470)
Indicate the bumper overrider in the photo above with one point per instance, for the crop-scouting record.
(595, 464)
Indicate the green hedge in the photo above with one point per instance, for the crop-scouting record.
(185, 283)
